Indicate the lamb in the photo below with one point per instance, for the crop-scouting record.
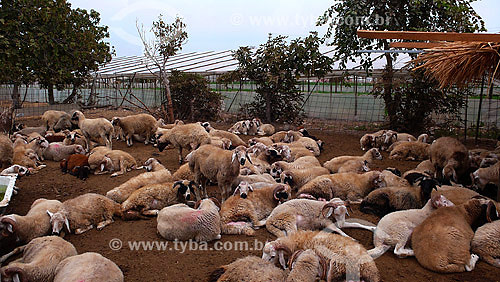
(309, 215)
(39, 261)
(235, 140)
(75, 137)
(372, 140)
(442, 241)
(217, 165)
(96, 158)
(183, 172)
(482, 176)
(340, 253)
(57, 151)
(35, 223)
(149, 199)
(253, 205)
(297, 178)
(334, 164)
(421, 138)
(121, 162)
(50, 118)
(80, 214)
(389, 199)
(94, 128)
(180, 222)
(144, 125)
(278, 136)
(395, 229)
(347, 186)
(38, 144)
(450, 158)
(15, 170)
(77, 165)
(248, 269)
(301, 163)
(485, 242)
(266, 129)
(188, 136)
(156, 173)
(259, 179)
(411, 151)
(88, 267)
(6, 151)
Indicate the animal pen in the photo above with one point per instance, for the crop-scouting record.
(342, 99)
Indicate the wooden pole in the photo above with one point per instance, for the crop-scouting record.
(479, 110)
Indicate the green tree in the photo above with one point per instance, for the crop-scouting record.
(47, 41)
(345, 17)
(168, 40)
(276, 67)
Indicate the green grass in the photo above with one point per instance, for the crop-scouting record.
(3, 189)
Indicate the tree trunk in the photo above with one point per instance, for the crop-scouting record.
(50, 93)
(387, 79)
(268, 108)
(16, 97)
(71, 97)
(170, 105)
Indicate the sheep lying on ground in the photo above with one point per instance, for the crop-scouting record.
(15, 170)
(144, 125)
(425, 168)
(391, 179)
(264, 140)
(82, 213)
(57, 151)
(301, 163)
(88, 267)
(157, 173)
(450, 158)
(180, 222)
(238, 128)
(442, 241)
(372, 140)
(27, 158)
(346, 186)
(75, 137)
(266, 129)
(483, 176)
(35, 223)
(39, 261)
(486, 243)
(77, 165)
(307, 214)
(94, 128)
(251, 205)
(183, 172)
(248, 269)
(334, 164)
(395, 229)
(258, 179)
(235, 140)
(6, 151)
(411, 151)
(339, 252)
(121, 162)
(186, 136)
(149, 199)
(297, 178)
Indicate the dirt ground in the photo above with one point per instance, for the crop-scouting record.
(174, 264)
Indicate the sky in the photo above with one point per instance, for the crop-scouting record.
(215, 25)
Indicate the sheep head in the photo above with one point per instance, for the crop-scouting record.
(79, 150)
(115, 121)
(77, 117)
(81, 171)
(13, 273)
(9, 225)
(449, 170)
(286, 177)
(58, 221)
(243, 189)
(275, 250)
(321, 145)
(163, 141)
(281, 193)
(148, 164)
(480, 210)
(439, 201)
(240, 154)
(309, 257)
(276, 170)
(63, 123)
(376, 153)
(377, 179)
(337, 207)
(390, 135)
(106, 164)
(426, 186)
(186, 190)
(207, 126)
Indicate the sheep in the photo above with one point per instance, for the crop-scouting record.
(57, 151)
(170, 125)
(278, 136)
(149, 199)
(425, 168)
(296, 150)
(266, 129)
(77, 165)
(183, 172)
(235, 140)
(238, 128)
(450, 158)
(80, 214)
(347, 186)
(75, 137)
(388, 199)
(372, 140)
(181, 222)
(27, 158)
(217, 165)
(259, 179)
(301, 163)
(27, 130)
(94, 128)
(88, 267)
(395, 229)
(144, 125)
(442, 241)
(121, 162)
(39, 261)
(222, 143)
(156, 173)
(482, 176)
(253, 205)
(423, 138)
(96, 158)
(297, 178)
(355, 166)
(391, 179)
(6, 151)
(341, 254)
(35, 223)
(334, 164)
(486, 241)
(188, 136)
(264, 140)
(52, 118)
(38, 144)
(15, 170)
(411, 151)
(309, 214)
(306, 266)
(248, 269)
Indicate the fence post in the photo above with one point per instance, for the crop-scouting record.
(479, 110)
(355, 95)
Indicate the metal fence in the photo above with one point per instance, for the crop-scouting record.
(346, 102)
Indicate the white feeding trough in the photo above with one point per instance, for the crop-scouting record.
(6, 189)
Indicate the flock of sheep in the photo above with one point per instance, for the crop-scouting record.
(273, 181)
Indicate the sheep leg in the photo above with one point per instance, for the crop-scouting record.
(378, 251)
(150, 212)
(334, 228)
(123, 168)
(275, 230)
(180, 155)
(129, 140)
(400, 250)
(348, 224)
(82, 230)
(103, 224)
(14, 252)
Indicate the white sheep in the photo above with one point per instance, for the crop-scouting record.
(157, 173)
(248, 269)
(482, 176)
(395, 229)
(180, 222)
(39, 261)
(235, 140)
(297, 178)
(94, 128)
(186, 136)
(82, 213)
(15, 170)
(336, 163)
(412, 151)
(57, 151)
(144, 125)
(75, 137)
(88, 267)
(53, 120)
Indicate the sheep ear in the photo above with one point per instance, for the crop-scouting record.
(233, 157)
(66, 223)
(282, 260)
(250, 187)
(329, 213)
(49, 213)
(236, 191)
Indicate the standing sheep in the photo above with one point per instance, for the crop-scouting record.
(144, 125)
(450, 158)
(180, 222)
(185, 136)
(94, 128)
